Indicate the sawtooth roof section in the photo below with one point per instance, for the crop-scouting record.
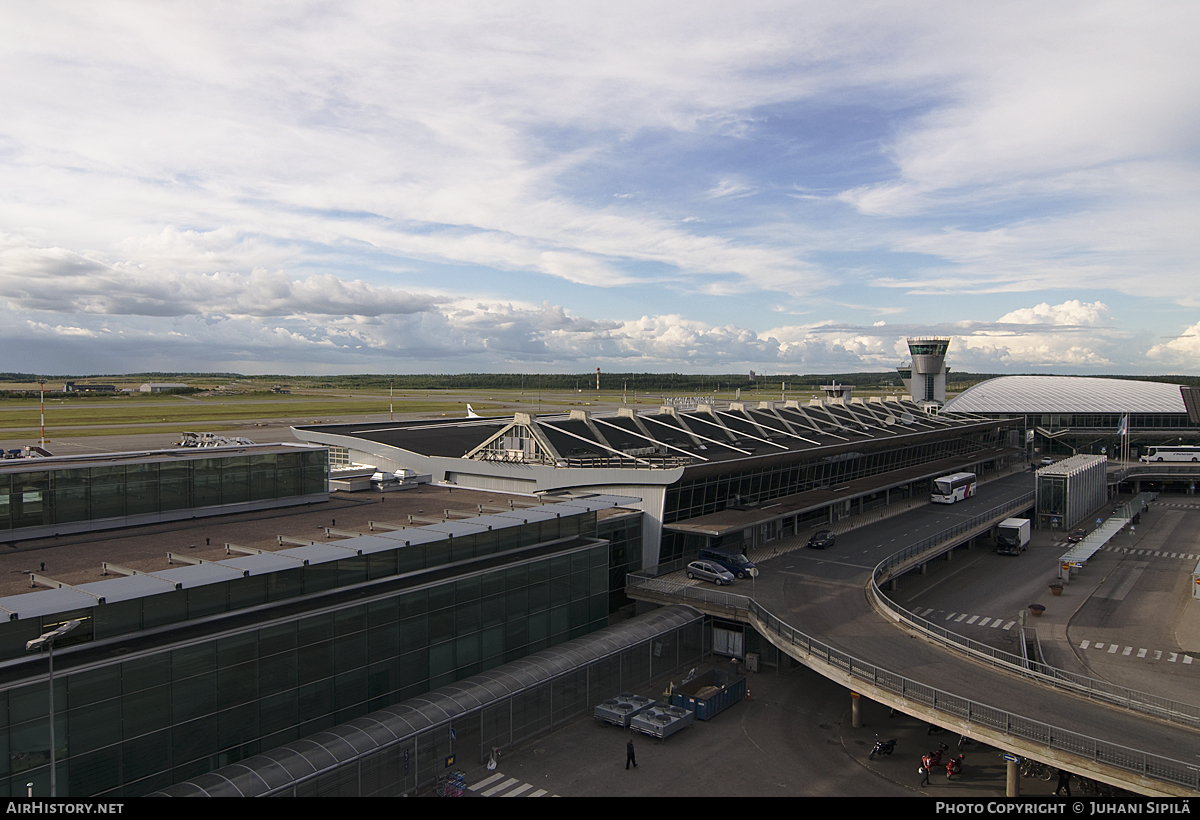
(451, 440)
(627, 436)
(1067, 394)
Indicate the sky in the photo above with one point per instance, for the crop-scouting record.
(417, 187)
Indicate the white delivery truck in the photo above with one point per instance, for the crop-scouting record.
(1012, 536)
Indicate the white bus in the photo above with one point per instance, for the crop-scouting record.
(1178, 452)
(956, 487)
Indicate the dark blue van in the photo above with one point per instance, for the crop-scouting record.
(735, 562)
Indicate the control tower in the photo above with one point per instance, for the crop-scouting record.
(928, 370)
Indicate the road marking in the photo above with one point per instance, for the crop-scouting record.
(1128, 649)
(1084, 644)
(539, 793)
(951, 615)
(1158, 654)
(959, 618)
(974, 618)
(500, 788)
(1112, 648)
(1099, 646)
(1008, 625)
(1187, 658)
(1173, 656)
(485, 783)
(519, 790)
(984, 622)
(996, 623)
(1141, 653)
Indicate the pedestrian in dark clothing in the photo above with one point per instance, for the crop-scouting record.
(925, 770)
(1064, 782)
(629, 756)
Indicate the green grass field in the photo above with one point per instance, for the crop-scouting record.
(148, 413)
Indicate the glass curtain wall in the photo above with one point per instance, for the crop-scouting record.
(47, 497)
(130, 726)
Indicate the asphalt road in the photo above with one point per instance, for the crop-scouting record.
(822, 595)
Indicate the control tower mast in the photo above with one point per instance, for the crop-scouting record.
(929, 370)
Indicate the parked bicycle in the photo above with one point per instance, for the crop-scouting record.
(1035, 768)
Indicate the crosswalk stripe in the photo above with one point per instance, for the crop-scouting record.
(984, 622)
(1128, 649)
(974, 618)
(519, 790)
(538, 793)
(1173, 656)
(500, 788)
(1141, 653)
(1112, 648)
(483, 784)
(1187, 658)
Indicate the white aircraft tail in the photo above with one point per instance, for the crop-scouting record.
(471, 414)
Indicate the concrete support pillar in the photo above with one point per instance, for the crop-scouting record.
(1012, 786)
(894, 584)
(923, 569)
(856, 710)
(950, 555)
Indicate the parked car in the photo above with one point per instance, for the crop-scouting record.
(1075, 536)
(735, 562)
(1047, 461)
(822, 539)
(708, 571)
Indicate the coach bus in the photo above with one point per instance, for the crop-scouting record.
(1179, 452)
(956, 487)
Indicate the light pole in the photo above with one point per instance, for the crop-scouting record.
(42, 399)
(47, 640)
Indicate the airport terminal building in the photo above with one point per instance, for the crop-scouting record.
(1071, 415)
(735, 477)
(186, 664)
(60, 495)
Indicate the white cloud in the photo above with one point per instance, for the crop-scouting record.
(1072, 312)
(358, 178)
(1182, 352)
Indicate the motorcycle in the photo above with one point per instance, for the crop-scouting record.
(954, 766)
(882, 747)
(933, 759)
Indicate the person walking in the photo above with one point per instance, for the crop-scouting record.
(629, 758)
(1064, 782)
(925, 764)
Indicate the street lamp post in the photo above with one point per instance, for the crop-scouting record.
(42, 402)
(47, 640)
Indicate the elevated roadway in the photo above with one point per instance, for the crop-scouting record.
(817, 608)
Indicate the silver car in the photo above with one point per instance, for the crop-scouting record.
(708, 571)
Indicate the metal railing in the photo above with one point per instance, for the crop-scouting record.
(1153, 468)
(1132, 760)
(1123, 696)
(1017, 726)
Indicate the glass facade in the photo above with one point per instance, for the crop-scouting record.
(690, 498)
(624, 535)
(68, 492)
(143, 713)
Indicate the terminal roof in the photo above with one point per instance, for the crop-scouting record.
(1067, 394)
